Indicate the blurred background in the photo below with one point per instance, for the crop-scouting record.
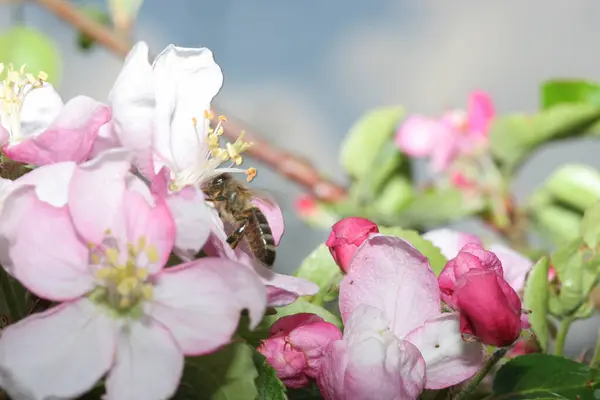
(301, 72)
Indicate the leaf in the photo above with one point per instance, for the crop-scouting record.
(437, 207)
(559, 91)
(303, 306)
(15, 301)
(536, 300)
(269, 386)
(556, 223)
(96, 14)
(590, 225)
(320, 268)
(227, 374)
(395, 196)
(252, 336)
(543, 376)
(366, 138)
(433, 253)
(575, 185)
(513, 137)
(310, 392)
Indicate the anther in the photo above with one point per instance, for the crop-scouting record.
(251, 172)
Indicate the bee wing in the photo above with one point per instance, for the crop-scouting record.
(265, 196)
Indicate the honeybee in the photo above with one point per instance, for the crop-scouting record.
(233, 201)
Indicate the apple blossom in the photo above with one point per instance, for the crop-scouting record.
(100, 241)
(296, 345)
(394, 328)
(473, 284)
(345, 238)
(37, 128)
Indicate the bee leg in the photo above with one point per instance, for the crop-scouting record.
(234, 239)
(213, 199)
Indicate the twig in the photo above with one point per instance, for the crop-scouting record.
(283, 162)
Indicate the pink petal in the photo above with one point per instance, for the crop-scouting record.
(153, 225)
(515, 266)
(192, 219)
(4, 136)
(449, 241)
(106, 140)
(418, 136)
(133, 102)
(285, 325)
(96, 196)
(283, 289)
(51, 182)
(391, 275)
(148, 364)
(69, 138)
(45, 252)
(313, 339)
(274, 217)
(446, 150)
(448, 358)
(481, 112)
(200, 302)
(60, 353)
(333, 371)
(288, 362)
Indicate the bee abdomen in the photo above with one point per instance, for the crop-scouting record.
(263, 244)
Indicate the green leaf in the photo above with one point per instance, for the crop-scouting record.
(556, 223)
(320, 268)
(559, 91)
(590, 225)
(536, 300)
(514, 137)
(433, 253)
(96, 14)
(303, 306)
(25, 45)
(395, 196)
(227, 374)
(438, 207)
(269, 386)
(366, 138)
(15, 301)
(252, 336)
(310, 392)
(542, 376)
(575, 185)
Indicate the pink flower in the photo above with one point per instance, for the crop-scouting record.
(95, 239)
(490, 309)
(396, 339)
(37, 128)
(515, 265)
(296, 346)
(305, 205)
(346, 237)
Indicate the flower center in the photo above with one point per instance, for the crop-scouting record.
(216, 156)
(122, 276)
(15, 86)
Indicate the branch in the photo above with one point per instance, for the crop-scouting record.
(283, 162)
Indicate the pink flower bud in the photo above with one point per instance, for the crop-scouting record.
(305, 205)
(346, 237)
(296, 347)
(489, 307)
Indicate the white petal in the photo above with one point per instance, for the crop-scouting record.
(515, 265)
(62, 352)
(148, 366)
(51, 182)
(40, 108)
(449, 359)
(450, 241)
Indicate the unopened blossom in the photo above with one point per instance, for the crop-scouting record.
(473, 284)
(296, 345)
(345, 238)
(94, 239)
(396, 339)
(37, 128)
(515, 266)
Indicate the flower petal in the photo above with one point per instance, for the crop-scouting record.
(200, 302)
(391, 275)
(312, 340)
(283, 289)
(274, 217)
(418, 135)
(148, 364)
(133, 102)
(44, 251)
(51, 182)
(106, 140)
(60, 353)
(515, 266)
(449, 359)
(186, 81)
(481, 112)
(449, 241)
(40, 108)
(152, 229)
(96, 195)
(69, 138)
(333, 370)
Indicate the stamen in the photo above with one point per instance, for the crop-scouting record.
(251, 172)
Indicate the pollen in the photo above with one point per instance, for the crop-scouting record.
(251, 172)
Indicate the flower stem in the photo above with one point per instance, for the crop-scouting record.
(487, 367)
(596, 358)
(559, 345)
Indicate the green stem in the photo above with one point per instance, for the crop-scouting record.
(559, 345)
(487, 367)
(10, 297)
(596, 359)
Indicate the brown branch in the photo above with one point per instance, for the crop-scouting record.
(283, 162)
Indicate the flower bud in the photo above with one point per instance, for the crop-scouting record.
(296, 347)
(473, 284)
(346, 237)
